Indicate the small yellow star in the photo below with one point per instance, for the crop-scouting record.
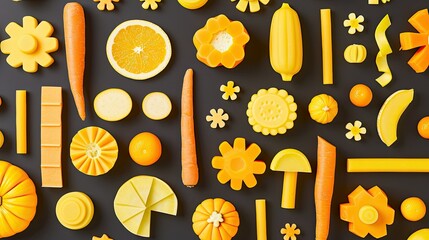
(104, 237)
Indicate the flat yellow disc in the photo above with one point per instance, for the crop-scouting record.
(75, 210)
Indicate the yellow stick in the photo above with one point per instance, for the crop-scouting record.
(21, 122)
(325, 21)
(388, 165)
(261, 220)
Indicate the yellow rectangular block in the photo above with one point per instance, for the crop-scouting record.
(50, 156)
(52, 177)
(21, 121)
(51, 136)
(373, 2)
(388, 165)
(261, 220)
(325, 22)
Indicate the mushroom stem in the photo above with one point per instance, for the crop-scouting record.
(289, 190)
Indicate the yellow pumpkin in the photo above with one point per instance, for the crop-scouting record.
(18, 200)
(323, 108)
(215, 219)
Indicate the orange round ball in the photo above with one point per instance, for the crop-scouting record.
(145, 148)
(413, 209)
(423, 127)
(360, 95)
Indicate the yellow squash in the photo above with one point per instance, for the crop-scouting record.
(286, 42)
(323, 108)
(18, 200)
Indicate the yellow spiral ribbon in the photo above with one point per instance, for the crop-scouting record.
(384, 50)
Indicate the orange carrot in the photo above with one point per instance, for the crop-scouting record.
(324, 186)
(74, 37)
(189, 152)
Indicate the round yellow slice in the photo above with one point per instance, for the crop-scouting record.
(113, 104)
(138, 49)
(156, 105)
(271, 111)
(93, 151)
(137, 198)
(75, 210)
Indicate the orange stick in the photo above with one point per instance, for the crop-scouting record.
(189, 152)
(74, 37)
(324, 186)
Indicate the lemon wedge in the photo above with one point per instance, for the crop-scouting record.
(391, 112)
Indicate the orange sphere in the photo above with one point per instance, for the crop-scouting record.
(145, 148)
(413, 209)
(360, 95)
(423, 127)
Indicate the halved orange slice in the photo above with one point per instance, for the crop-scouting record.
(138, 49)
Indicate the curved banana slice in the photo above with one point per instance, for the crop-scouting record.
(391, 112)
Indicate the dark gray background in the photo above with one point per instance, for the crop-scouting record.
(252, 74)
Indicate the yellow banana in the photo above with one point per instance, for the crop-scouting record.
(286, 42)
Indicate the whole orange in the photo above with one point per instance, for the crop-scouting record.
(413, 209)
(360, 95)
(423, 127)
(145, 148)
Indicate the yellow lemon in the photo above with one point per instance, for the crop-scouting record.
(138, 49)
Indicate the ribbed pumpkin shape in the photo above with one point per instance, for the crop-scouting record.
(323, 108)
(355, 53)
(18, 200)
(286, 42)
(215, 219)
(93, 151)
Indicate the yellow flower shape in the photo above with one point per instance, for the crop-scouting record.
(106, 4)
(354, 23)
(30, 44)
(355, 130)
(253, 5)
(271, 111)
(153, 4)
(367, 212)
(229, 91)
(221, 42)
(238, 164)
(290, 231)
(217, 118)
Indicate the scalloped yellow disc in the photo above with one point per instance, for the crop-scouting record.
(271, 111)
(93, 151)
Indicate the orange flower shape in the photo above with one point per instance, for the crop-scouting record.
(238, 163)
(221, 42)
(367, 212)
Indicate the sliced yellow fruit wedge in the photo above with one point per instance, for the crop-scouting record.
(138, 197)
(391, 112)
(93, 151)
(290, 160)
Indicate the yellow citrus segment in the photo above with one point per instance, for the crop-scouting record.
(138, 49)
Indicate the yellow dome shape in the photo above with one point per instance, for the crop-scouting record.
(29, 45)
(75, 210)
(93, 151)
(271, 111)
(137, 198)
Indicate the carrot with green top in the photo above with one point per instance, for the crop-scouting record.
(189, 151)
(74, 37)
(324, 186)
